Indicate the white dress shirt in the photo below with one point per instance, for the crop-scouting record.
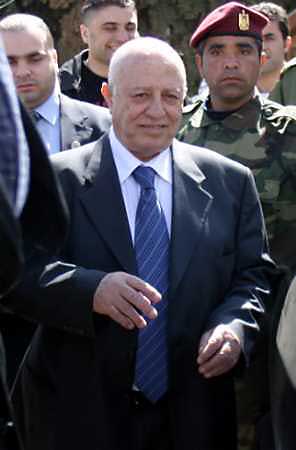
(49, 125)
(126, 163)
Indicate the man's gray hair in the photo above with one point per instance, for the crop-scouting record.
(144, 46)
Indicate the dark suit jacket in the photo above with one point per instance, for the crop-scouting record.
(11, 263)
(82, 122)
(10, 245)
(42, 226)
(283, 375)
(73, 390)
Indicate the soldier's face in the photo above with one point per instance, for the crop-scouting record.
(34, 66)
(230, 66)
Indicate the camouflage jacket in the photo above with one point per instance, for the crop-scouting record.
(285, 89)
(261, 135)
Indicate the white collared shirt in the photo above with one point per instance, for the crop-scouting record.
(49, 124)
(126, 163)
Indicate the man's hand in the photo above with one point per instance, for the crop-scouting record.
(219, 351)
(124, 298)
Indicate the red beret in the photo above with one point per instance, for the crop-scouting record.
(233, 18)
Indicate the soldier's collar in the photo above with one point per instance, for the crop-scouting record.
(245, 117)
(213, 114)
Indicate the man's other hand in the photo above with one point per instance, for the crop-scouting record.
(219, 351)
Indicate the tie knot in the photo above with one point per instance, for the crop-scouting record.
(36, 116)
(144, 176)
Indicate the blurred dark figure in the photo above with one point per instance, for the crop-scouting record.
(62, 122)
(32, 214)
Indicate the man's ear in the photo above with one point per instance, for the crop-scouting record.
(288, 43)
(198, 62)
(263, 58)
(54, 55)
(84, 33)
(105, 91)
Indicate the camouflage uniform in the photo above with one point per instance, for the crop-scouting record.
(285, 90)
(261, 135)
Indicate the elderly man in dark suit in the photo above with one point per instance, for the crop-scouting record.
(62, 122)
(25, 178)
(155, 297)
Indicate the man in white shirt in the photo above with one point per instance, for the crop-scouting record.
(62, 122)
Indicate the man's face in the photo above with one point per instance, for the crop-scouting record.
(275, 48)
(34, 66)
(107, 29)
(230, 65)
(146, 104)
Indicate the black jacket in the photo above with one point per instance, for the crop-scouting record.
(73, 85)
(42, 226)
(70, 75)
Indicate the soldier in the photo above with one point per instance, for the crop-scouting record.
(276, 45)
(285, 90)
(238, 123)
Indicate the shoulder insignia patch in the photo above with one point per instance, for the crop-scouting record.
(281, 117)
(191, 107)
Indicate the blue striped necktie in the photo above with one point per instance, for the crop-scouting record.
(152, 254)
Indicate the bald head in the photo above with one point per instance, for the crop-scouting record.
(145, 93)
(144, 49)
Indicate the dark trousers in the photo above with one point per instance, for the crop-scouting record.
(264, 434)
(150, 423)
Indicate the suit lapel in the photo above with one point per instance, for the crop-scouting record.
(191, 204)
(103, 202)
(73, 127)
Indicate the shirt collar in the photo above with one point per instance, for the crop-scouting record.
(50, 109)
(126, 162)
